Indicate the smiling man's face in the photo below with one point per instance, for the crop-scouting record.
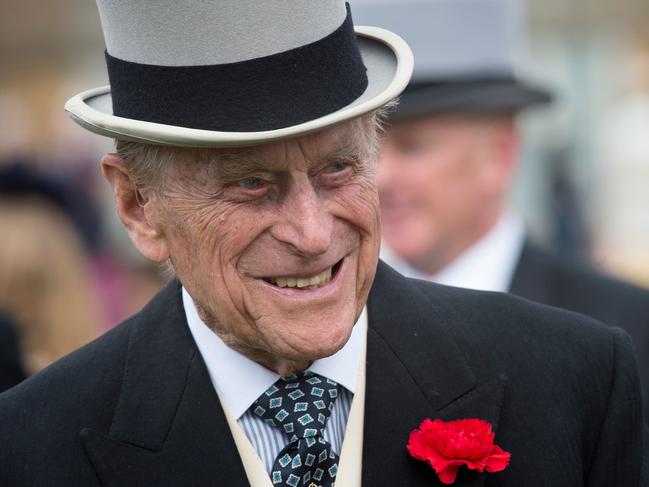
(277, 244)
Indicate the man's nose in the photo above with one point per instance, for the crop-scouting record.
(306, 225)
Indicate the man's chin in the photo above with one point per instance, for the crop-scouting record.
(311, 354)
(321, 343)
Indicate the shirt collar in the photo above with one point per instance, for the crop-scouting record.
(239, 381)
(488, 265)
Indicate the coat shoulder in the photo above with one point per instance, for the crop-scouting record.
(41, 418)
(502, 331)
(83, 373)
(552, 279)
(92, 374)
(517, 323)
(566, 352)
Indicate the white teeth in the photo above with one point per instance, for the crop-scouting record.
(326, 275)
(301, 282)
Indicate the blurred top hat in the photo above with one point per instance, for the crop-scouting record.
(465, 54)
(237, 72)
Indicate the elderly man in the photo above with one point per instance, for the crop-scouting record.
(282, 354)
(447, 165)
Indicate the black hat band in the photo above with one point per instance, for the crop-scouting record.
(260, 94)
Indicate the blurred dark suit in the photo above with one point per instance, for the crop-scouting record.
(550, 279)
(11, 370)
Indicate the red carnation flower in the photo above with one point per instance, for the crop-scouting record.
(448, 446)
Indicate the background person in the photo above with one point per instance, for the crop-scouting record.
(45, 276)
(448, 160)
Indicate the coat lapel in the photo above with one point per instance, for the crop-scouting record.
(168, 428)
(415, 370)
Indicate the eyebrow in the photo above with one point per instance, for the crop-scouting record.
(233, 166)
(349, 150)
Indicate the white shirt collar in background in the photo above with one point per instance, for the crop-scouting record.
(239, 381)
(488, 265)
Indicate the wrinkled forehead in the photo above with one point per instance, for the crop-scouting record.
(338, 141)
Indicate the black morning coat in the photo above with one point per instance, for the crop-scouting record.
(11, 369)
(136, 407)
(547, 278)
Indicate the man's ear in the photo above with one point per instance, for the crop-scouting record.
(134, 210)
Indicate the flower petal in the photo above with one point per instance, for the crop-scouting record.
(447, 446)
(417, 445)
(497, 460)
(448, 475)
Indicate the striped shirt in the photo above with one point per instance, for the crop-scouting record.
(239, 381)
(269, 441)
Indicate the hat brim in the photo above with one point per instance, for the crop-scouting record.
(468, 96)
(386, 56)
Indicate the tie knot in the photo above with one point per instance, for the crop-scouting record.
(299, 404)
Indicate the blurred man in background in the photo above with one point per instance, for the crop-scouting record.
(448, 160)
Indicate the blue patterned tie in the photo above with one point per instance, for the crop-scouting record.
(300, 406)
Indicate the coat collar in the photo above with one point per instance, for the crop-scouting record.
(169, 427)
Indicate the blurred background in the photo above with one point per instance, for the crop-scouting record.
(594, 141)
(582, 186)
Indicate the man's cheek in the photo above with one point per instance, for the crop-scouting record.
(360, 204)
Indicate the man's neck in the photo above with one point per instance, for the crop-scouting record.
(279, 365)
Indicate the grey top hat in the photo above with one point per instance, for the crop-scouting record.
(237, 72)
(465, 54)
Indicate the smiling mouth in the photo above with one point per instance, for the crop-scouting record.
(312, 282)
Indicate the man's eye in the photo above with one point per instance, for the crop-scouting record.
(336, 166)
(251, 183)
